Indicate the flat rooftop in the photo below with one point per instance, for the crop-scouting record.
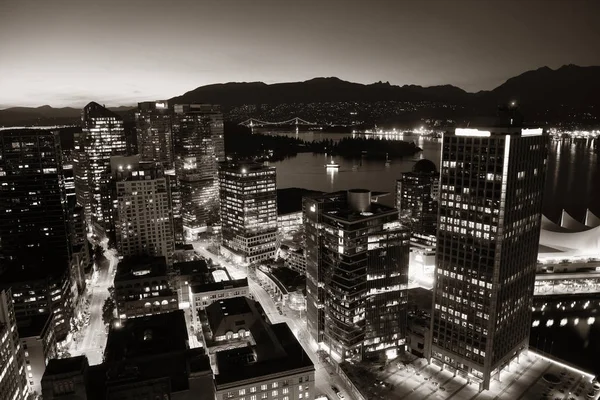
(233, 366)
(141, 268)
(347, 214)
(58, 366)
(147, 336)
(191, 267)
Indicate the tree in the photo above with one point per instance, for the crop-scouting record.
(108, 310)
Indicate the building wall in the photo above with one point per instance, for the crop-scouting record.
(13, 384)
(296, 261)
(248, 194)
(198, 148)
(291, 386)
(142, 297)
(33, 225)
(144, 219)
(103, 136)
(154, 132)
(38, 351)
(489, 226)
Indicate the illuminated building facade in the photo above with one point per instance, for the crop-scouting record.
(198, 148)
(13, 383)
(154, 132)
(416, 197)
(39, 346)
(102, 137)
(143, 216)
(142, 287)
(248, 193)
(34, 230)
(491, 188)
(357, 274)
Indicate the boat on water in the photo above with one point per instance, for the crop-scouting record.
(332, 164)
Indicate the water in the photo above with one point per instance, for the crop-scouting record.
(573, 183)
(573, 178)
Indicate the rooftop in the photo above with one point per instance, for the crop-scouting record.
(349, 215)
(220, 285)
(191, 267)
(293, 357)
(141, 267)
(58, 366)
(147, 337)
(34, 325)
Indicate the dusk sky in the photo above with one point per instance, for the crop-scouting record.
(70, 52)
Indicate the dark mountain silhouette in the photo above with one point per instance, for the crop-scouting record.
(315, 91)
(567, 94)
(47, 115)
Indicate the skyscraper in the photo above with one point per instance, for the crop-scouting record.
(154, 132)
(102, 136)
(34, 232)
(248, 193)
(13, 383)
(33, 226)
(143, 215)
(199, 147)
(491, 188)
(357, 274)
(416, 197)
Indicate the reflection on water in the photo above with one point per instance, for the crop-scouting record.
(573, 180)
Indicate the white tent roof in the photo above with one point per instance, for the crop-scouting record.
(571, 239)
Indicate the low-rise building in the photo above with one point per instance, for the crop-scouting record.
(215, 285)
(251, 358)
(296, 260)
(142, 287)
(39, 346)
(146, 358)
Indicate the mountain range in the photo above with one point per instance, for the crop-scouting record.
(568, 92)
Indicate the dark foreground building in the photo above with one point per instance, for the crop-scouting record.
(492, 183)
(147, 358)
(357, 274)
(35, 251)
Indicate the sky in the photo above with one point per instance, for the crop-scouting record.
(70, 52)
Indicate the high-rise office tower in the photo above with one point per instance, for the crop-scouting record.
(143, 215)
(33, 226)
(416, 197)
(357, 274)
(175, 205)
(491, 188)
(248, 193)
(198, 147)
(34, 231)
(102, 137)
(13, 383)
(154, 132)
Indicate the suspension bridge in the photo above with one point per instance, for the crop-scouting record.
(253, 122)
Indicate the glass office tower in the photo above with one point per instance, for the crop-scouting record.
(491, 188)
(198, 148)
(357, 275)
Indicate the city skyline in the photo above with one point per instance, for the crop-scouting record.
(118, 56)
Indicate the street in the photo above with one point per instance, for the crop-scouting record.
(90, 341)
(325, 376)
